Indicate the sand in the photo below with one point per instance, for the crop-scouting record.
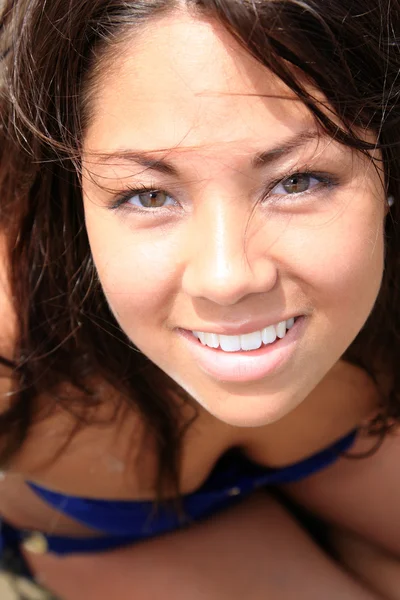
(21, 590)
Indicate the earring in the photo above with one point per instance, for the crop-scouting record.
(390, 201)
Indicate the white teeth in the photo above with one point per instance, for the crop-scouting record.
(251, 341)
(212, 340)
(229, 343)
(268, 335)
(248, 341)
(281, 329)
(290, 323)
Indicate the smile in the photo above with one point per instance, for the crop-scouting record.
(248, 341)
(245, 357)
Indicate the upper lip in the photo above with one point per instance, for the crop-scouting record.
(240, 328)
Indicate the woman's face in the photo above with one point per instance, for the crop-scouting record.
(214, 205)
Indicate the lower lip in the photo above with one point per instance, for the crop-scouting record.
(244, 366)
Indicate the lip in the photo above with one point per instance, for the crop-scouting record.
(244, 366)
(239, 328)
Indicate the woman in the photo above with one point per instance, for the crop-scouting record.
(197, 202)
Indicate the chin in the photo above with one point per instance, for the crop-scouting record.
(245, 411)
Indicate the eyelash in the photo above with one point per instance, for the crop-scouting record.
(134, 191)
(325, 180)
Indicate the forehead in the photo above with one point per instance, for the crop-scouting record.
(183, 82)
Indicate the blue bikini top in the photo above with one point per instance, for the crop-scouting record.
(121, 522)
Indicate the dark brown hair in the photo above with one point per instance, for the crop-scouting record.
(348, 49)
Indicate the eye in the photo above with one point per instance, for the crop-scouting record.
(297, 183)
(150, 199)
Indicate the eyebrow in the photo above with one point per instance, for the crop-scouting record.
(260, 160)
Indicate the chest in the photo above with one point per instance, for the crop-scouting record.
(116, 460)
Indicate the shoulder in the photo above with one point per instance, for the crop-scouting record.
(345, 399)
(360, 492)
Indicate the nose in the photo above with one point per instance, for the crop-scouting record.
(227, 257)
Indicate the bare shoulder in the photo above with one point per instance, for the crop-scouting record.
(360, 492)
(342, 401)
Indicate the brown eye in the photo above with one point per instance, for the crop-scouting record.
(297, 183)
(152, 199)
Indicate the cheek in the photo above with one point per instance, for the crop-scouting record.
(138, 272)
(343, 262)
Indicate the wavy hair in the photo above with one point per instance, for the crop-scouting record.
(51, 52)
